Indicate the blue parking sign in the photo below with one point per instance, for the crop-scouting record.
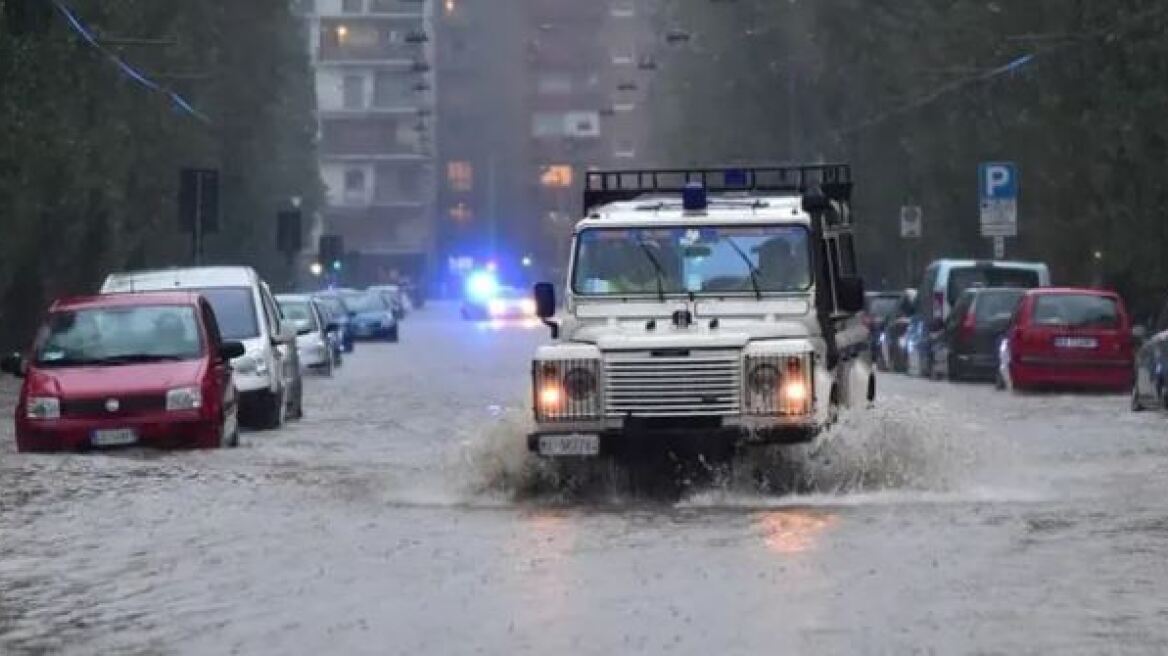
(999, 181)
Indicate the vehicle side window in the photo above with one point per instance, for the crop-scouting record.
(213, 334)
(271, 314)
(925, 294)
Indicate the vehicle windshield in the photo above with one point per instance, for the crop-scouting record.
(683, 260)
(367, 302)
(334, 306)
(1076, 311)
(883, 306)
(120, 335)
(299, 313)
(235, 311)
(963, 278)
(996, 306)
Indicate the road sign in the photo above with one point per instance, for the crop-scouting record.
(910, 222)
(998, 193)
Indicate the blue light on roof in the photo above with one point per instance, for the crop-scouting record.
(693, 197)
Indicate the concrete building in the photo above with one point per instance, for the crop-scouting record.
(376, 103)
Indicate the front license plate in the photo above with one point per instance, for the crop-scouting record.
(569, 445)
(119, 437)
(1076, 342)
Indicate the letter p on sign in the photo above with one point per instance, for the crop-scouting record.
(999, 181)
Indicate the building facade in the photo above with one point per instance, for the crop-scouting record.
(376, 93)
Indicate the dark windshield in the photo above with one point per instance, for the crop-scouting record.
(1076, 311)
(996, 306)
(119, 335)
(235, 311)
(963, 278)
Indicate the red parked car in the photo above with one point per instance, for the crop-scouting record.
(1068, 338)
(127, 369)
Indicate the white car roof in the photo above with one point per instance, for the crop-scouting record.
(195, 277)
(728, 209)
(952, 264)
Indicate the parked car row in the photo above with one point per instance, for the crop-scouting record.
(1003, 322)
(182, 358)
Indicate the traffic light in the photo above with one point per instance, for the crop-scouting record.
(24, 17)
(288, 236)
(332, 252)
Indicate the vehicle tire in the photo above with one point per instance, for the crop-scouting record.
(999, 382)
(296, 404)
(954, 370)
(230, 440)
(392, 336)
(271, 412)
(1136, 404)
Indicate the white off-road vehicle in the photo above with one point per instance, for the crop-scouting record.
(721, 306)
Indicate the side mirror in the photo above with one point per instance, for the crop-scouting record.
(545, 306)
(815, 202)
(545, 300)
(231, 350)
(332, 327)
(1139, 333)
(850, 293)
(12, 364)
(286, 333)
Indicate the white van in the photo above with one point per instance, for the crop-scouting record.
(943, 284)
(268, 374)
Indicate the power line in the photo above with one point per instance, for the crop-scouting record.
(129, 71)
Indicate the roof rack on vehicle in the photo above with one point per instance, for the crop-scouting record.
(604, 187)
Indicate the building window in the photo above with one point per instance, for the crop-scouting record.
(355, 186)
(353, 6)
(547, 124)
(556, 176)
(461, 213)
(555, 84)
(582, 124)
(389, 89)
(460, 176)
(353, 88)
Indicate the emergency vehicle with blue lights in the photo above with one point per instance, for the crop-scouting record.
(720, 306)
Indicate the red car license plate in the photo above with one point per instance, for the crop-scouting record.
(117, 437)
(1076, 342)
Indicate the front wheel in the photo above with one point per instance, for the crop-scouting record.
(271, 411)
(1137, 404)
(392, 335)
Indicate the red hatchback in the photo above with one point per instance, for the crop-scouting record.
(127, 369)
(1068, 338)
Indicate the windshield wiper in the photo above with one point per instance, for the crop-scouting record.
(657, 267)
(133, 358)
(754, 272)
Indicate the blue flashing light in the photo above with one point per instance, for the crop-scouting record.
(482, 286)
(693, 197)
(735, 178)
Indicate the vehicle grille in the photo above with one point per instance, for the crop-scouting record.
(128, 406)
(683, 384)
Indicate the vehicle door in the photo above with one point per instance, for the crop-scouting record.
(285, 353)
(948, 339)
(993, 314)
(221, 372)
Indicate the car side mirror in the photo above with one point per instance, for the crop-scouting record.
(1139, 333)
(304, 330)
(545, 300)
(545, 306)
(332, 327)
(286, 333)
(12, 364)
(850, 293)
(231, 350)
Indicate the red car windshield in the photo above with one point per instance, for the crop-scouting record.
(121, 335)
(1076, 311)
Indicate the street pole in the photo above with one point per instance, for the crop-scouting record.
(198, 228)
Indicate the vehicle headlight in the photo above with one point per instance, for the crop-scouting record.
(251, 363)
(567, 390)
(184, 398)
(527, 306)
(43, 407)
(779, 385)
(496, 308)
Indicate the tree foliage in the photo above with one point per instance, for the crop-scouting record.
(90, 158)
(915, 94)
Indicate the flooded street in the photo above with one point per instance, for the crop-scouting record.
(403, 516)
